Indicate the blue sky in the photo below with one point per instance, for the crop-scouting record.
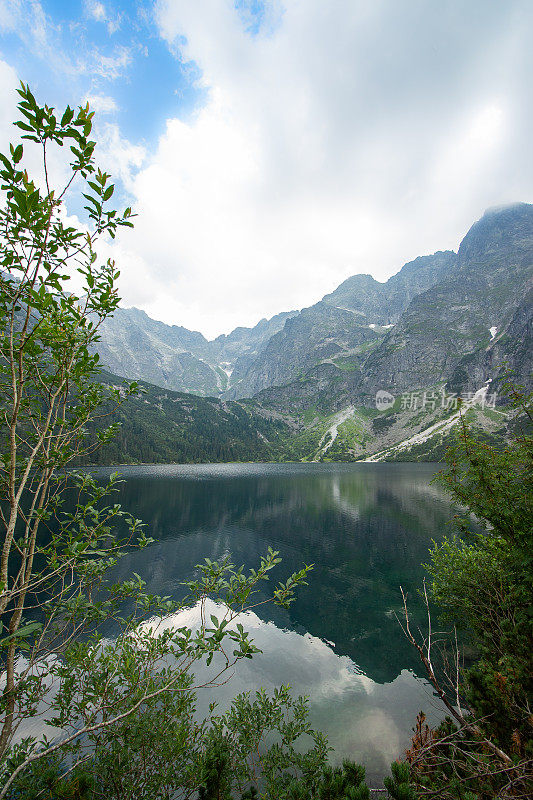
(110, 49)
(273, 148)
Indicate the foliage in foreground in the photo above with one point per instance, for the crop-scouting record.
(482, 581)
(207, 774)
(161, 751)
(73, 701)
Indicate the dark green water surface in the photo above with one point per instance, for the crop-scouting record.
(367, 529)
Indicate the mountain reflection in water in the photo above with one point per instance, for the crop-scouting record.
(365, 527)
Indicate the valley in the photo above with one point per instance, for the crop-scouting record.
(302, 385)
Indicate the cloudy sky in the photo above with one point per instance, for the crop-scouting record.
(272, 148)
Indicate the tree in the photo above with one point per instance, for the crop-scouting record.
(46, 368)
(481, 580)
(55, 596)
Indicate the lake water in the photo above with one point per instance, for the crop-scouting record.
(367, 529)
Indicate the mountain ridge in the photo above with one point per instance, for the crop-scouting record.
(136, 346)
(367, 305)
(447, 324)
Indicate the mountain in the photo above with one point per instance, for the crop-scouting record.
(137, 347)
(239, 364)
(236, 351)
(458, 330)
(345, 323)
(249, 341)
(161, 426)
(453, 339)
(454, 324)
(383, 303)
(444, 329)
(317, 334)
(511, 348)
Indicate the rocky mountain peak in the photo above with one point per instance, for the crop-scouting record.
(499, 227)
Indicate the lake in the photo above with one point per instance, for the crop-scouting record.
(366, 528)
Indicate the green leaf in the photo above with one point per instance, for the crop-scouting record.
(22, 633)
(67, 116)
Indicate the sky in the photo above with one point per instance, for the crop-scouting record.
(273, 148)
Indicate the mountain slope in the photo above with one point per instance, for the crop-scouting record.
(457, 332)
(452, 324)
(351, 316)
(317, 334)
(383, 303)
(138, 347)
(162, 426)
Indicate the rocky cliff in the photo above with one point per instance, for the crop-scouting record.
(344, 324)
(452, 326)
(135, 346)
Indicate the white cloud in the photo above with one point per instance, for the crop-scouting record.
(470, 149)
(8, 15)
(344, 137)
(44, 38)
(27, 18)
(108, 67)
(117, 155)
(39, 35)
(8, 102)
(357, 714)
(96, 10)
(340, 137)
(101, 104)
